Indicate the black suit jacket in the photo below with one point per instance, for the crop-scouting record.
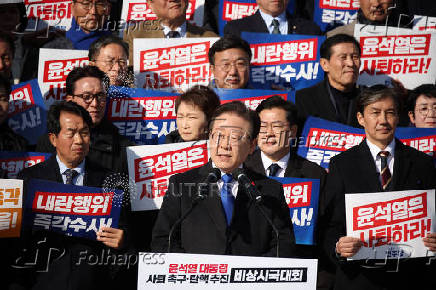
(64, 272)
(354, 171)
(315, 101)
(255, 23)
(205, 231)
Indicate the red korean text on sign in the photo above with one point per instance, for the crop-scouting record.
(137, 109)
(236, 10)
(339, 4)
(21, 100)
(298, 194)
(58, 70)
(402, 45)
(332, 140)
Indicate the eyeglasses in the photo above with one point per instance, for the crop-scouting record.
(112, 62)
(276, 127)
(100, 6)
(425, 110)
(233, 137)
(240, 66)
(88, 98)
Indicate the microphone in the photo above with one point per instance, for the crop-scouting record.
(255, 195)
(202, 193)
(246, 182)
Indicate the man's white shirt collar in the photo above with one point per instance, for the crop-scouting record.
(281, 18)
(181, 29)
(283, 162)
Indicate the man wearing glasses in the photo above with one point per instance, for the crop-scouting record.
(227, 221)
(87, 87)
(229, 60)
(110, 54)
(88, 22)
(422, 106)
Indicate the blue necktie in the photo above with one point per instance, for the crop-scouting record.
(227, 198)
(70, 175)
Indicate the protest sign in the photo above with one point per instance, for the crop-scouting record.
(289, 62)
(424, 23)
(236, 9)
(44, 13)
(144, 116)
(391, 225)
(171, 64)
(11, 199)
(329, 14)
(14, 162)
(322, 139)
(140, 10)
(54, 67)
(72, 210)
(302, 196)
(27, 113)
(251, 98)
(198, 271)
(396, 53)
(151, 167)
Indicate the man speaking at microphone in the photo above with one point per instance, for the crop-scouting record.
(226, 218)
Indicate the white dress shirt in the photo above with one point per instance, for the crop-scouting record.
(283, 163)
(181, 29)
(78, 180)
(234, 184)
(283, 22)
(377, 159)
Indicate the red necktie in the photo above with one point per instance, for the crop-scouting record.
(385, 173)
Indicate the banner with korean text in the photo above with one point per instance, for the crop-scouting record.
(329, 14)
(14, 162)
(236, 9)
(11, 199)
(27, 112)
(72, 210)
(198, 271)
(54, 67)
(391, 225)
(44, 13)
(251, 98)
(424, 23)
(302, 196)
(322, 139)
(151, 166)
(288, 62)
(143, 116)
(396, 53)
(140, 10)
(171, 64)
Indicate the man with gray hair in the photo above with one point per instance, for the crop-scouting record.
(380, 163)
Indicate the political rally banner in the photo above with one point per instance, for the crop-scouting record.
(11, 200)
(288, 62)
(391, 225)
(322, 139)
(78, 211)
(424, 23)
(329, 14)
(14, 162)
(391, 53)
(54, 67)
(144, 116)
(42, 14)
(302, 196)
(236, 9)
(199, 271)
(27, 112)
(140, 10)
(171, 64)
(151, 166)
(251, 98)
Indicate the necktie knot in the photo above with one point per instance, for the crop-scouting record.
(173, 34)
(273, 169)
(70, 174)
(384, 154)
(227, 178)
(276, 25)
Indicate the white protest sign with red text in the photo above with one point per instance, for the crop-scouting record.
(424, 23)
(11, 199)
(168, 64)
(54, 67)
(150, 166)
(396, 53)
(57, 13)
(391, 225)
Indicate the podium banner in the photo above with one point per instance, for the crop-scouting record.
(391, 225)
(195, 271)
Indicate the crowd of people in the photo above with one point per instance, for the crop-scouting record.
(86, 147)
